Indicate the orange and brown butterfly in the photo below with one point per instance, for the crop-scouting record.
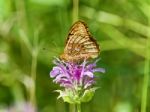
(80, 44)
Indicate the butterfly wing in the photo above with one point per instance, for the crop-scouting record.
(77, 28)
(80, 44)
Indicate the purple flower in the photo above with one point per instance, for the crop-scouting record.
(74, 77)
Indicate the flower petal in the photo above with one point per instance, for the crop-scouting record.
(88, 83)
(102, 70)
(55, 71)
(89, 74)
(60, 77)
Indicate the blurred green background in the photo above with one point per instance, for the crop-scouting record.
(32, 32)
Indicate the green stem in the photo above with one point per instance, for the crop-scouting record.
(25, 32)
(72, 108)
(34, 68)
(75, 10)
(78, 107)
(32, 34)
(146, 78)
(33, 76)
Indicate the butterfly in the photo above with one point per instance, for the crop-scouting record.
(80, 44)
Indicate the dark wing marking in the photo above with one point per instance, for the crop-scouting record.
(80, 42)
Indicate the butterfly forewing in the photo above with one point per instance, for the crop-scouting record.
(80, 44)
(79, 28)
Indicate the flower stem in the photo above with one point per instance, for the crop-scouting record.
(146, 75)
(72, 108)
(33, 76)
(78, 107)
(146, 78)
(75, 10)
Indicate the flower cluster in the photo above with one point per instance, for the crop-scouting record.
(77, 79)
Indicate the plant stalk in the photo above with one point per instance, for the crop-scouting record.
(33, 76)
(75, 10)
(146, 78)
(78, 107)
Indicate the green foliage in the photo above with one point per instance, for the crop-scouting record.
(32, 32)
(88, 95)
(76, 98)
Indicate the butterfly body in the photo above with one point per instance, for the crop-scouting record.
(80, 44)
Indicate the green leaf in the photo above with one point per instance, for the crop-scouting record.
(88, 95)
(68, 99)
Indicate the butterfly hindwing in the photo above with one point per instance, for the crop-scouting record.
(80, 44)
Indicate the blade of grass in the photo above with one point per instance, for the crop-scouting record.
(146, 8)
(104, 45)
(122, 40)
(75, 12)
(145, 79)
(26, 31)
(113, 19)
